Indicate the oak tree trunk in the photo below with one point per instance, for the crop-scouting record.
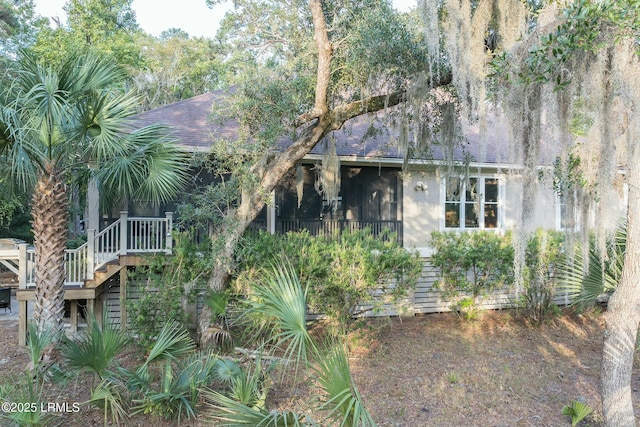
(317, 123)
(50, 227)
(623, 317)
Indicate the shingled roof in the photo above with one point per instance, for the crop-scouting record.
(191, 125)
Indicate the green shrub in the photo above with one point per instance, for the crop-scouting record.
(165, 287)
(544, 253)
(342, 272)
(471, 265)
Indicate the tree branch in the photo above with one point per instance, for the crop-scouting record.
(325, 52)
(271, 173)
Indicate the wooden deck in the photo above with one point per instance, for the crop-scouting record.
(89, 267)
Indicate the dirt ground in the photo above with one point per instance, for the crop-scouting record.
(436, 370)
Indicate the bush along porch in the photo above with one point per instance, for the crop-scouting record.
(351, 275)
(138, 272)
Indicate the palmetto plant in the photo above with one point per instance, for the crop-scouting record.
(280, 300)
(343, 400)
(67, 125)
(577, 411)
(109, 395)
(95, 349)
(595, 273)
(279, 305)
(37, 342)
(169, 381)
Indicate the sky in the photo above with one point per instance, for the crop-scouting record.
(192, 16)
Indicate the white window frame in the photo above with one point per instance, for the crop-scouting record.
(560, 202)
(481, 190)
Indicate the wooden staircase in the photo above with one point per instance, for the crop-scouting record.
(90, 267)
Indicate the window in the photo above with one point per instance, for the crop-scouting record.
(566, 213)
(472, 203)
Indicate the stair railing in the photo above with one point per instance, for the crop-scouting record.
(126, 235)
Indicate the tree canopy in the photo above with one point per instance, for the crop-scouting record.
(19, 26)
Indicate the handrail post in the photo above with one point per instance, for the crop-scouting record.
(91, 254)
(22, 266)
(124, 225)
(169, 240)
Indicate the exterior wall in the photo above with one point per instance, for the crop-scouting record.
(423, 205)
(546, 204)
(421, 208)
(423, 299)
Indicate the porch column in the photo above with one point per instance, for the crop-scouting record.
(92, 212)
(124, 222)
(22, 322)
(91, 251)
(271, 213)
(23, 266)
(169, 241)
(73, 315)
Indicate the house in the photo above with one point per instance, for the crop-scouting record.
(378, 190)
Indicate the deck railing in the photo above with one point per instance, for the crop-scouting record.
(153, 235)
(330, 227)
(126, 235)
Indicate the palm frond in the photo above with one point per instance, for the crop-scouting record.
(180, 386)
(281, 299)
(197, 372)
(90, 71)
(37, 342)
(173, 342)
(96, 348)
(226, 370)
(343, 399)
(226, 412)
(153, 169)
(577, 411)
(108, 395)
(588, 277)
(248, 386)
(104, 121)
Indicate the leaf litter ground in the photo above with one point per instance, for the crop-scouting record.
(435, 370)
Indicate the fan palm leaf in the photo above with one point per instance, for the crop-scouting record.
(173, 342)
(226, 412)
(280, 298)
(343, 401)
(588, 276)
(108, 394)
(96, 348)
(37, 342)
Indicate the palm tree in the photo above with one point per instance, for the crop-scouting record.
(54, 124)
